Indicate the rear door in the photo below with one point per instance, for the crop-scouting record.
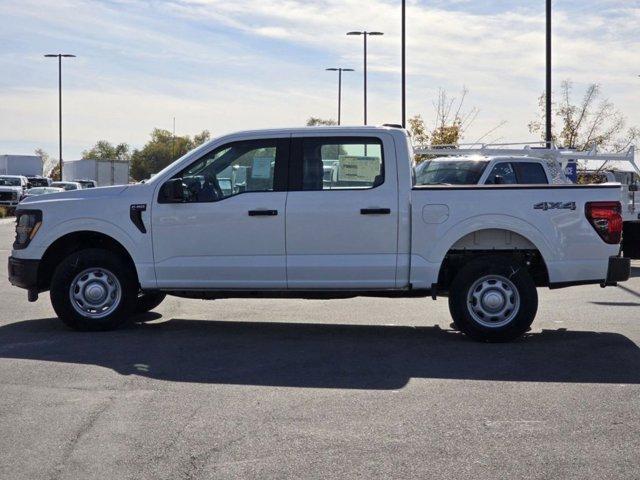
(342, 212)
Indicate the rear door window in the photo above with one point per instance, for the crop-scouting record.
(530, 173)
(502, 174)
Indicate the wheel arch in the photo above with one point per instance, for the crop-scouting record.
(76, 241)
(503, 241)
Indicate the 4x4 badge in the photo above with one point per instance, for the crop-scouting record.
(555, 206)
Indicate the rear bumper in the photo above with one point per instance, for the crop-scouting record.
(23, 273)
(619, 270)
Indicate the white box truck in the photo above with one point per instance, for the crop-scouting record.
(26, 165)
(104, 172)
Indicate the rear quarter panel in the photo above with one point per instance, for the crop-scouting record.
(569, 245)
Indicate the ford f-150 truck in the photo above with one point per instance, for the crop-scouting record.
(255, 214)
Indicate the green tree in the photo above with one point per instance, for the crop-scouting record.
(318, 122)
(103, 150)
(161, 150)
(451, 121)
(583, 124)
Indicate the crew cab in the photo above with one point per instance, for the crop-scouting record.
(259, 214)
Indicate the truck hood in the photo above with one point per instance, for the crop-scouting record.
(8, 188)
(89, 193)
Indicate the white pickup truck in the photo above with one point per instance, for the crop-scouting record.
(254, 214)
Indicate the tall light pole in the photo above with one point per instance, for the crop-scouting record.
(365, 34)
(548, 132)
(59, 56)
(404, 64)
(339, 70)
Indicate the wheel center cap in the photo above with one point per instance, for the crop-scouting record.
(493, 301)
(95, 292)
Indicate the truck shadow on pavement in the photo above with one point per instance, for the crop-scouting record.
(324, 355)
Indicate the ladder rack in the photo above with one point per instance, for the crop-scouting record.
(528, 149)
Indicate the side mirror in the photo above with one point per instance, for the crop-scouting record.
(498, 180)
(173, 191)
(633, 187)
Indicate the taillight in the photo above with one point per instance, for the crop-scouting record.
(606, 219)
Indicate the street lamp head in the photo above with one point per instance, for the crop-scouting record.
(332, 69)
(68, 55)
(56, 55)
(348, 70)
(51, 55)
(375, 33)
(355, 33)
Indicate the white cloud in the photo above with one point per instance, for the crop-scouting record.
(226, 65)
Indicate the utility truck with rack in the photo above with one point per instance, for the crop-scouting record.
(255, 214)
(504, 164)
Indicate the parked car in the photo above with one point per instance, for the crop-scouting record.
(12, 190)
(67, 185)
(38, 181)
(87, 183)
(36, 191)
(290, 231)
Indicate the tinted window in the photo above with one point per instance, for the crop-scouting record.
(341, 163)
(238, 167)
(502, 174)
(530, 173)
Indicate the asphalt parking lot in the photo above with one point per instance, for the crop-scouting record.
(360, 388)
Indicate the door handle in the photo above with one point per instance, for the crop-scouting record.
(375, 211)
(263, 213)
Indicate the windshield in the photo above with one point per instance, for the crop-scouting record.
(38, 182)
(449, 172)
(9, 182)
(37, 190)
(66, 186)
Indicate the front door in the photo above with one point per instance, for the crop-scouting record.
(229, 229)
(342, 213)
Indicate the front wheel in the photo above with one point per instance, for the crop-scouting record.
(147, 301)
(493, 299)
(93, 289)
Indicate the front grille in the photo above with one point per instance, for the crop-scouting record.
(7, 196)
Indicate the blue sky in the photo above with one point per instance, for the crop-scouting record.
(232, 65)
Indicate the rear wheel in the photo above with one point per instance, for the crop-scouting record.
(493, 299)
(93, 289)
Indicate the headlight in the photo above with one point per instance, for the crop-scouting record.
(27, 224)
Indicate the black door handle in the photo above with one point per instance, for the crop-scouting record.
(263, 213)
(375, 211)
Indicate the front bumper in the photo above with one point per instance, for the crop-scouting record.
(23, 273)
(619, 270)
(9, 203)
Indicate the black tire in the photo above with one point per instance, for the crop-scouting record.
(514, 294)
(103, 261)
(147, 301)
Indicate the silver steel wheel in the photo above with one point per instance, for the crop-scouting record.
(493, 301)
(95, 293)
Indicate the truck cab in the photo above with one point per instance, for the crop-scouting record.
(329, 212)
(483, 170)
(12, 190)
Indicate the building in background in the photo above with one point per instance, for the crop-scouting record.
(27, 165)
(104, 172)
